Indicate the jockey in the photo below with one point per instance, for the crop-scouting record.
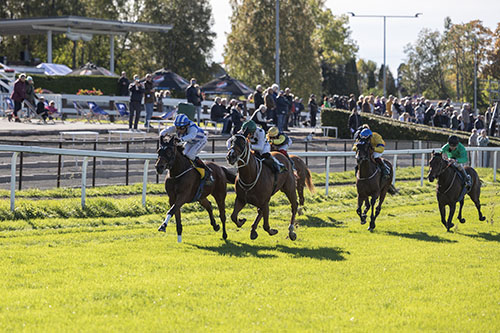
(194, 139)
(280, 142)
(378, 145)
(457, 153)
(260, 145)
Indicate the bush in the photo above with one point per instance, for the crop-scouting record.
(72, 84)
(393, 129)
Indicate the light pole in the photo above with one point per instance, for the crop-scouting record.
(277, 77)
(385, 19)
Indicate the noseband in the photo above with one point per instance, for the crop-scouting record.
(246, 151)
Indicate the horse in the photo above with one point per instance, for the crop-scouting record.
(369, 183)
(183, 182)
(449, 189)
(256, 184)
(303, 178)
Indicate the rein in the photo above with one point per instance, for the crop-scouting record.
(441, 171)
(367, 178)
(451, 184)
(245, 161)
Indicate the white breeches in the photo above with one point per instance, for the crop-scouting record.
(191, 150)
(377, 155)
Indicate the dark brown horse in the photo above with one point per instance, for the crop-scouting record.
(369, 183)
(183, 182)
(449, 189)
(256, 184)
(303, 178)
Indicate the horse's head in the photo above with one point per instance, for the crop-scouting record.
(436, 165)
(237, 146)
(166, 154)
(363, 151)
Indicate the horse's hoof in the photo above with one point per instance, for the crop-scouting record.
(240, 222)
(300, 211)
(370, 229)
(462, 220)
(272, 232)
(292, 235)
(162, 228)
(216, 227)
(363, 221)
(224, 236)
(482, 218)
(253, 235)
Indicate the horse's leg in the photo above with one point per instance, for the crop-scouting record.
(372, 216)
(253, 233)
(442, 211)
(450, 224)
(292, 197)
(380, 201)
(474, 195)
(459, 217)
(238, 206)
(360, 204)
(221, 204)
(178, 224)
(367, 206)
(265, 215)
(170, 213)
(208, 206)
(300, 190)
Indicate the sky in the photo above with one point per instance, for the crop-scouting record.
(369, 32)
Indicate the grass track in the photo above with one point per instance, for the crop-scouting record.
(117, 273)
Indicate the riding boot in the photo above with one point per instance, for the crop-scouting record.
(279, 167)
(467, 181)
(383, 168)
(209, 180)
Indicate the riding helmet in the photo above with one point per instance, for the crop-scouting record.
(181, 120)
(365, 134)
(249, 126)
(453, 140)
(273, 132)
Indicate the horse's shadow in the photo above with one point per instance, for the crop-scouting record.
(317, 222)
(422, 236)
(238, 249)
(485, 236)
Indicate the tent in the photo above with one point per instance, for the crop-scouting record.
(226, 85)
(166, 79)
(91, 69)
(54, 69)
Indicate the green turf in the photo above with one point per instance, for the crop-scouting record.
(117, 273)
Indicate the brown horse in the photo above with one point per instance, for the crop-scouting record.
(369, 183)
(256, 184)
(183, 182)
(303, 178)
(449, 189)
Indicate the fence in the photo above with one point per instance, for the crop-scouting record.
(147, 157)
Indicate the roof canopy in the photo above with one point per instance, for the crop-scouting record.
(75, 24)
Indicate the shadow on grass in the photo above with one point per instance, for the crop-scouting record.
(485, 236)
(238, 249)
(317, 222)
(422, 236)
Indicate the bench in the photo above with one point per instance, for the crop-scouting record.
(326, 130)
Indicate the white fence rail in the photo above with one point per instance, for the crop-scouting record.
(147, 157)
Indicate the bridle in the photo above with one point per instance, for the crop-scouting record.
(244, 158)
(170, 162)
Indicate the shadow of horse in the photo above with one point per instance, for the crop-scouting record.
(317, 222)
(485, 236)
(421, 236)
(237, 249)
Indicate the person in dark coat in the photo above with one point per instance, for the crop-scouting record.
(479, 123)
(136, 93)
(123, 85)
(354, 122)
(18, 95)
(281, 110)
(313, 109)
(258, 99)
(237, 117)
(219, 115)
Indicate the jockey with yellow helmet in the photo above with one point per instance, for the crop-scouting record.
(193, 138)
(378, 145)
(279, 141)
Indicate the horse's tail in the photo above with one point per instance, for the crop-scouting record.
(231, 177)
(392, 190)
(309, 182)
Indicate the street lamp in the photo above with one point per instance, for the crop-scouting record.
(385, 18)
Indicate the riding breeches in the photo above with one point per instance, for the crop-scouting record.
(192, 149)
(376, 155)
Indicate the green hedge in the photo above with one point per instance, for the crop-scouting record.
(393, 129)
(72, 83)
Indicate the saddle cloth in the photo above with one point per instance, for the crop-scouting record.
(201, 171)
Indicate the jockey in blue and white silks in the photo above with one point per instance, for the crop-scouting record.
(193, 137)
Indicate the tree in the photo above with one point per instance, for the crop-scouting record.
(366, 69)
(492, 68)
(249, 54)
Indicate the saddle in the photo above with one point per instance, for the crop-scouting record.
(201, 171)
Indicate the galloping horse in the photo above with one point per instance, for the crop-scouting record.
(369, 183)
(256, 184)
(183, 183)
(303, 178)
(449, 189)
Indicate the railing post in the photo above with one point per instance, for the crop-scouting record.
(473, 159)
(422, 164)
(394, 163)
(145, 182)
(327, 170)
(59, 165)
(84, 179)
(345, 157)
(126, 164)
(13, 181)
(21, 155)
(157, 175)
(93, 165)
(495, 155)
(306, 148)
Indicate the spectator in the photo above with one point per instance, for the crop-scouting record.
(159, 102)
(483, 141)
(30, 91)
(420, 111)
(326, 102)
(352, 102)
(136, 92)
(437, 120)
(455, 123)
(149, 99)
(405, 117)
(409, 110)
(219, 115)
(465, 112)
(237, 117)
(354, 122)
(40, 109)
(365, 107)
(270, 104)
(258, 99)
(429, 113)
(473, 141)
(289, 97)
(479, 123)
(388, 106)
(313, 110)
(359, 104)
(123, 85)
(259, 117)
(298, 108)
(193, 96)
(51, 110)
(396, 110)
(281, 110)
(460, 123)
(18, 95)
